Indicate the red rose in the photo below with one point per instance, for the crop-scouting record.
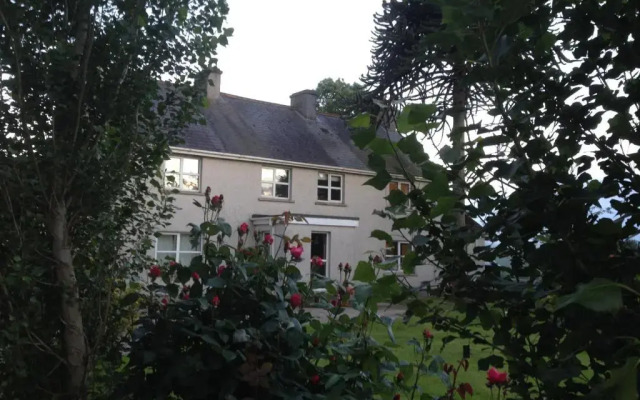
(396, 397)
(268, 239)
(185, 296)
(377, 259)
(400, 376)
(155, 271)
(496, 377)
(215, 301)
(427, 334)
(244, 228)
(216, 201)
(195, 276)
(296, 252)
(165, 301)
(314, 380)
(221, 269)
(296, 300)
(315, 341)
(172, 263)
(347, 268)
(334, 302)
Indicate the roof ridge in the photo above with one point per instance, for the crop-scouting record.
(254, 100)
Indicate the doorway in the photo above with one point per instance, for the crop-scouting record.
(320, 248)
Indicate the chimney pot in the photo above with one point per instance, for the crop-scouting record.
(304, 102)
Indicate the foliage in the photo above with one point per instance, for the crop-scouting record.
(85, 127)
(341, 98)
(232, 324)
(559, 83)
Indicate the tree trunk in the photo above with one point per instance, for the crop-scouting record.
(459, 98)
(75, 348)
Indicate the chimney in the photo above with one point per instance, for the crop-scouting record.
(213, 91)
(304, 102)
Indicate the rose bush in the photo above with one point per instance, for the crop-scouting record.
(233, 325)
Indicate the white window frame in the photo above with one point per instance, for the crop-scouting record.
(180, 236)
(330, 188)
(398, 245)
(274, 182)
(180, 174)
(399, 184)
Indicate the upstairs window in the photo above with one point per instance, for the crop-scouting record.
(276, 182)
(329, 187)
(176, 246)
(404, 187)
(182, 173)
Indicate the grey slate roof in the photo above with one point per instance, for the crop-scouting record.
(238, 125)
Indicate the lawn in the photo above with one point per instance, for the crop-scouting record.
(451, 353)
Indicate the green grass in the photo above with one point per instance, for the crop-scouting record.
(451, 353)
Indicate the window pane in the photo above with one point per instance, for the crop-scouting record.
(185, 258)
(282, 191)
(323, 179)
(282, 175)
(190, 166)
(336, 181)
(172, 165)
(405, 188)
(323, 194)
(336, 194)
(164, 254)
(167, 243)
(393, 186)
(391, 249)
(267, 175)
(172, 181)
(267, 189)
(190, 182)
(404, 247)
(185, 243)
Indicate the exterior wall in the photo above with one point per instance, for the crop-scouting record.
(239, 182)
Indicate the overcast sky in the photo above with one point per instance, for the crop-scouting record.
(280, 47)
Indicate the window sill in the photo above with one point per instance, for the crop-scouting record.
(275, 199)
(330, 203)
(192, 192)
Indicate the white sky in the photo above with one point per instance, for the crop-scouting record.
(280, 47)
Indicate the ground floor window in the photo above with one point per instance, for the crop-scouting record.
(320, 249)
(176, 246)
(399, 249)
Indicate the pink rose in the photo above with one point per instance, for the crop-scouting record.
(427, 334)
(215, 301)
(496, 377)
(268, 239)
(244, 228)
(296, 252)
(195, 276)
(221, 269)
(317, 262)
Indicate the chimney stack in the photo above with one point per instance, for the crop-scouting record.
(213, 91)
(304, 102)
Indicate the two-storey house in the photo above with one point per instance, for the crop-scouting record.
(269, 158)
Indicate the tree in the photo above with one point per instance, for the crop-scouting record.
(341, 98)
(85, 127)
(559, 84)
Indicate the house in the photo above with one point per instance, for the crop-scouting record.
(269, 158)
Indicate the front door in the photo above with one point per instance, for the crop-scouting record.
(320, 248)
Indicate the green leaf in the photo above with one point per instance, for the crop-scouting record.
(600, 295)
(411, 146)
(481, 189)
(363, 136)
(420, 112)
(381, 235)
(438, 187)
(363, 293)
(380, 180)
(360, 121)
(396, 198)
(492, 360)
(364, 272)
(409, 262)
(216, 282)
(624, 380)
(332, 381)
(381, 146)
(443, 206)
